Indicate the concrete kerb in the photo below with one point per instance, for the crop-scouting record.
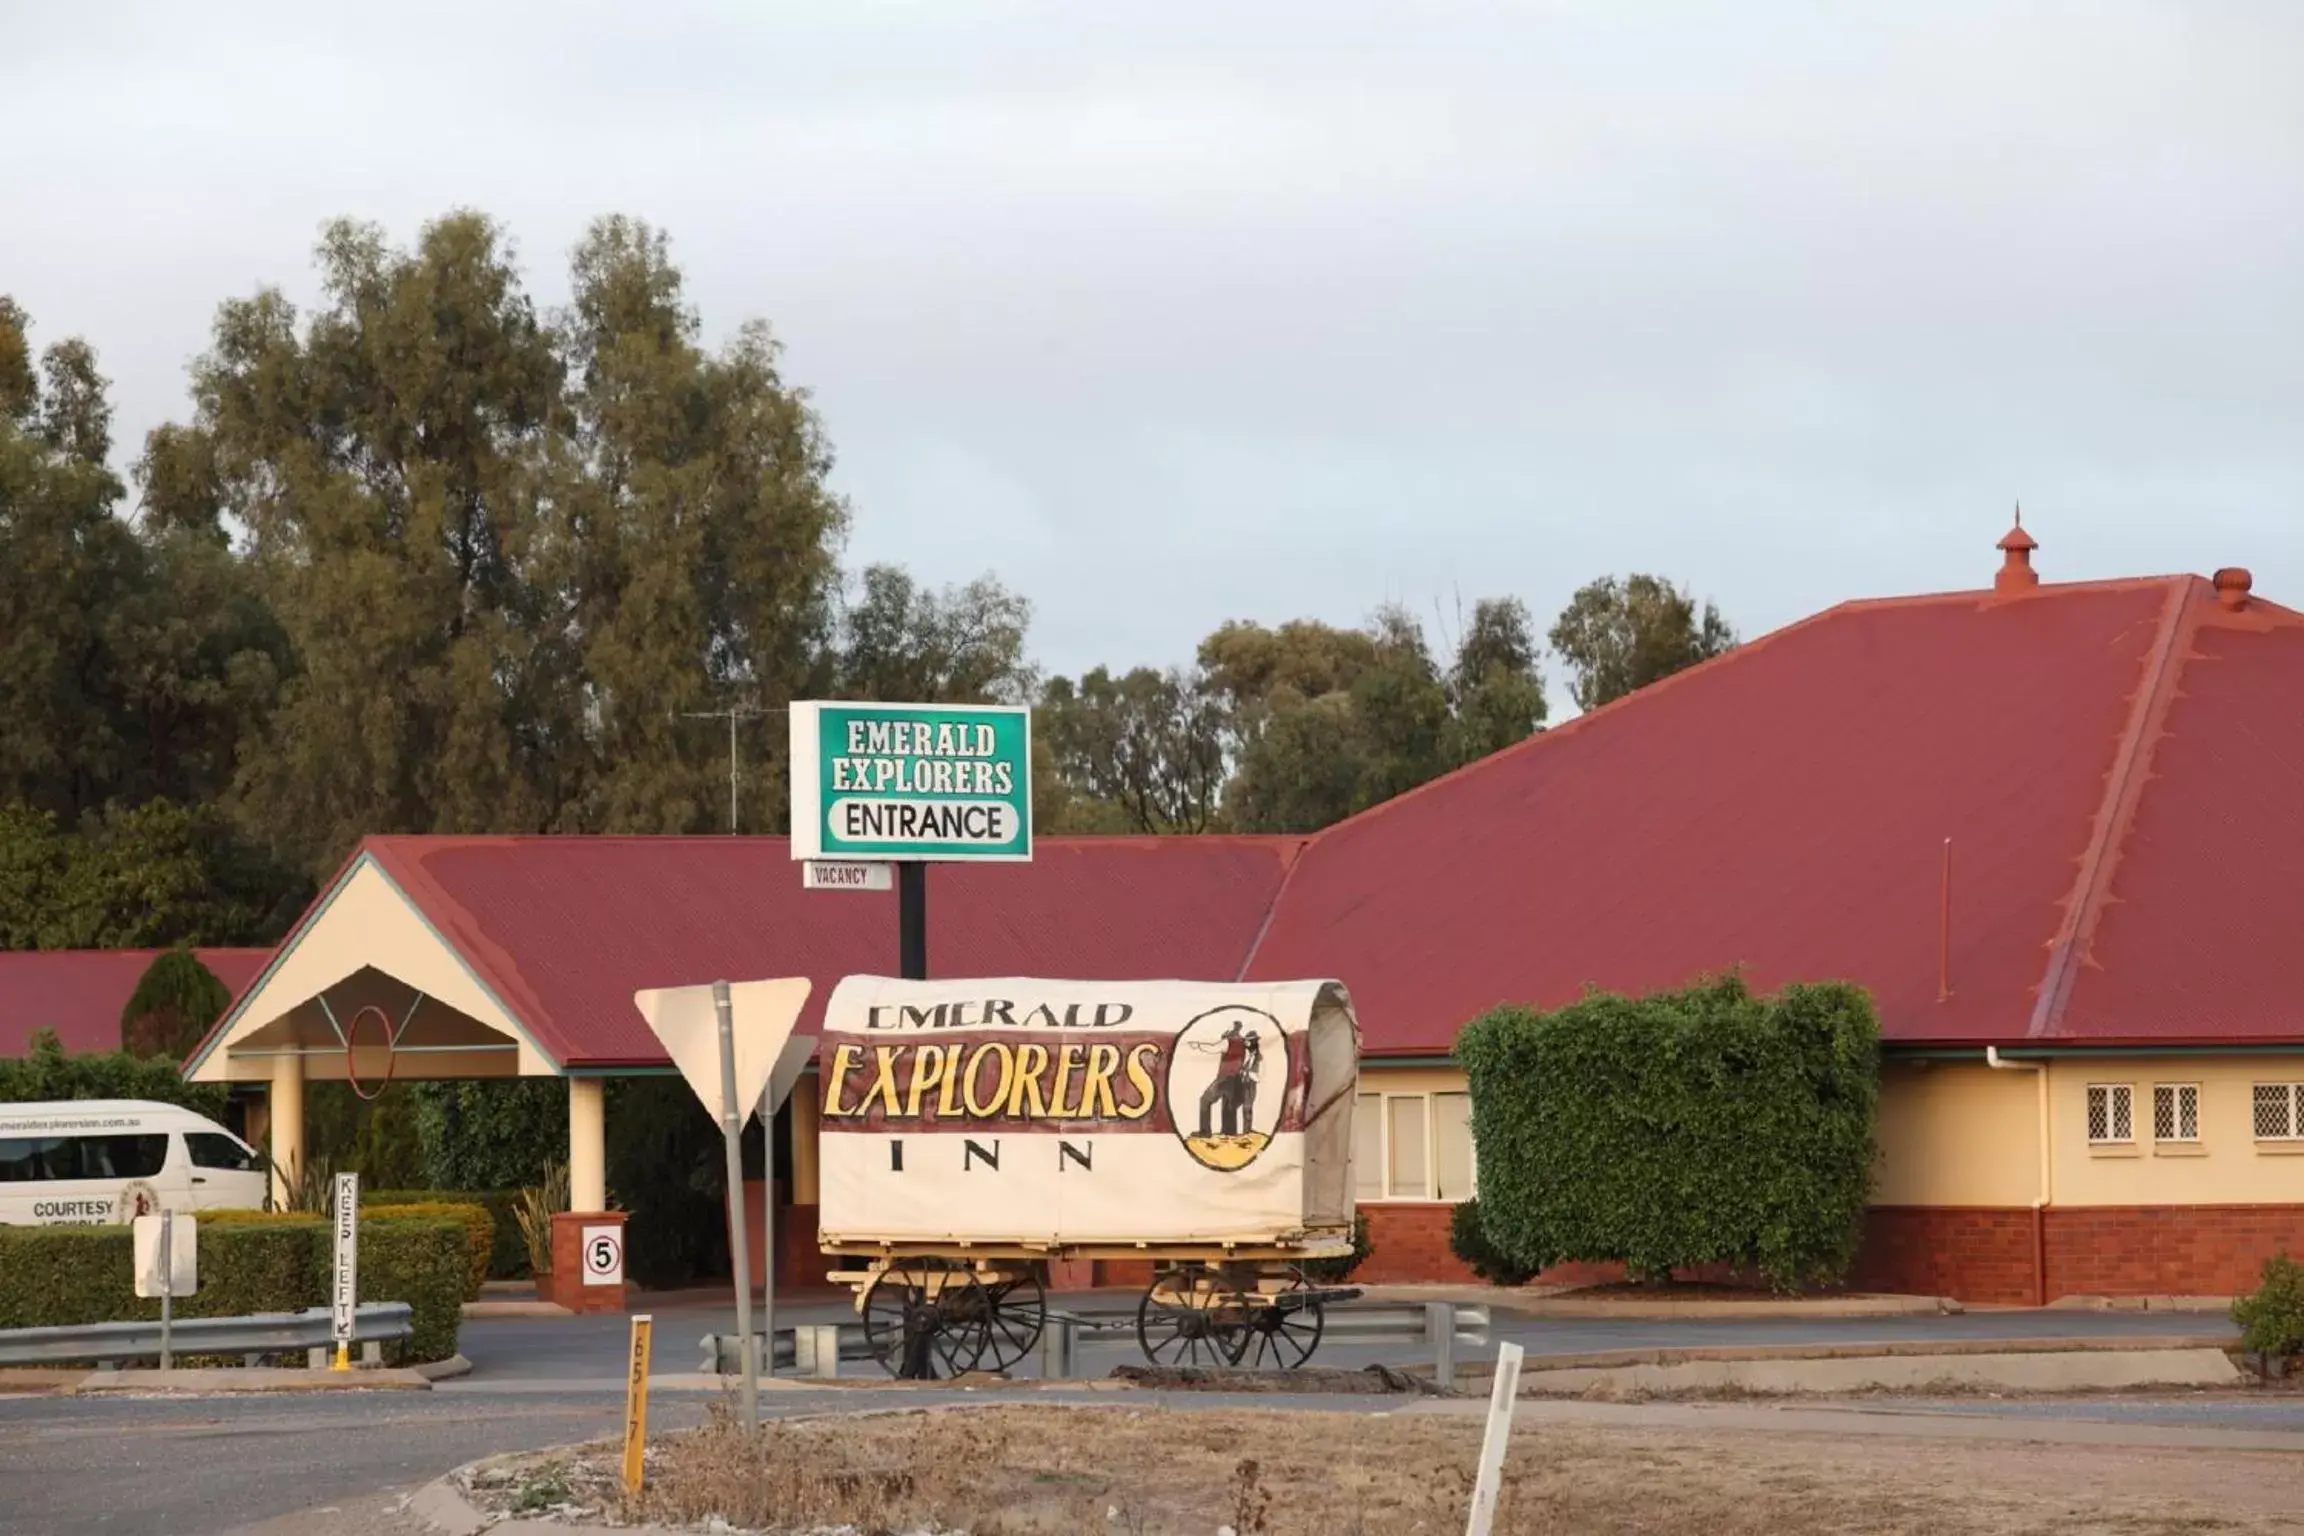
(230, 1380)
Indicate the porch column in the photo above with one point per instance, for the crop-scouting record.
(587, 1144)
(804, 1129)
(285, 1109)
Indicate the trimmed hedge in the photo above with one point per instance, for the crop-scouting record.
(250, 1262)
(479, 1231)
(1468, 1240)
(507, 1254)
(1698, 1127)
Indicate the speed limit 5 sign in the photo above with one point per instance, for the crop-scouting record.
(604, 1255)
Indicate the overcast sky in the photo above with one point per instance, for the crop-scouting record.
(1169, 313)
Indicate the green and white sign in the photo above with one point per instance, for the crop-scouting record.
(911, 781)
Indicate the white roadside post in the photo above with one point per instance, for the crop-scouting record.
(166, 1259)
(1491, 1480)
(347, 1290)
(726, 1039)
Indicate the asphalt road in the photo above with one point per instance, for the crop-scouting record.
(592, 1348)
(126, 1466)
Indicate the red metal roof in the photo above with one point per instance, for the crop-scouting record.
(565, 929)
(2126, 755)
(2119, 768)
(80, 993)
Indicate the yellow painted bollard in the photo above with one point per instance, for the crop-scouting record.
(636, 1405)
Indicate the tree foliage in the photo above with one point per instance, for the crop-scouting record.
(154, 875)
(1144, 751)
(1698, 1127)
(1621, 634)
(427, 556)
(175, 1002)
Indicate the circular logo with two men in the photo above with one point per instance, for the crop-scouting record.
(1227, 1079)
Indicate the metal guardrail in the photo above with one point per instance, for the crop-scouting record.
(373, 1325)
(815, 1350)
(799, 1348)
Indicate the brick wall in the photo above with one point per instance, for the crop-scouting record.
(2166, 1250)
(1409, 1242)
(1972, 1253)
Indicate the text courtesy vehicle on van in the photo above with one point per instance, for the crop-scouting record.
(94, 1161)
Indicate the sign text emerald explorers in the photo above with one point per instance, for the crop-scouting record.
(911, 781)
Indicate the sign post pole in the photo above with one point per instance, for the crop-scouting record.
(912, 920)
(167, 1286)
(731, 1131)
(636, 1404)
(347, 1290)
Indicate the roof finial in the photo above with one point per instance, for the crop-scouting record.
(2016, 546)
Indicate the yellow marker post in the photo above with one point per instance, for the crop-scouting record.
(636, 1404)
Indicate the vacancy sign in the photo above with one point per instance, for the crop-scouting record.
(686, 1021)
(916, 782)
(845, 875)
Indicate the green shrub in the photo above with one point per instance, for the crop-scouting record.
(422, 1261)
(490, 1135)
(1469, 1242)
(250, 1262)
(2271, 1317)
(1688, 1128)
(174, 1003)
(47, 1073)
(1337, 1271)
(507, 1254)
(479, 1231)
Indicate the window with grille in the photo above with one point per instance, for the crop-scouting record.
(2279, 1111)
(2111, 1112)
(2175, 1111)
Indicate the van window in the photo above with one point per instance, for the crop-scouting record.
(34, 1159)
(211, 1149)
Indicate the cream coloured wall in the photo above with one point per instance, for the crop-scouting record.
(367, 924)
(1959, 1133)
(2228, 1166)
(1952, 1133)
(1411, 1080)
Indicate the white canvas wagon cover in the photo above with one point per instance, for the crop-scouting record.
(1087, 1113)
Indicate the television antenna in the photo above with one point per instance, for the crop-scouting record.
(732, 714)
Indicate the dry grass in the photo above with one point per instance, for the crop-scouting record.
(1024, 1471)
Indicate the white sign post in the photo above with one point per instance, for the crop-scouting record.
(1491, 1479)
(167, 1266)
(726, 1039)
(347, 1292)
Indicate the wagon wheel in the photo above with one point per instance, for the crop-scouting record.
(926, 1318)
(1282, 1331)
(1017, 1309)
(1203, 1330)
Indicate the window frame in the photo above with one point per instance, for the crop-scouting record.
(1431, 1196)
(2294, 1093)
(2114, 1093)
(2176, 1092)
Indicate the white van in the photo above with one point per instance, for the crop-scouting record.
(92, 1161)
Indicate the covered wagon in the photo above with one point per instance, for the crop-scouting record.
(974, 1131)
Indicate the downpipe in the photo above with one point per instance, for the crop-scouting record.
(2039, 1070)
